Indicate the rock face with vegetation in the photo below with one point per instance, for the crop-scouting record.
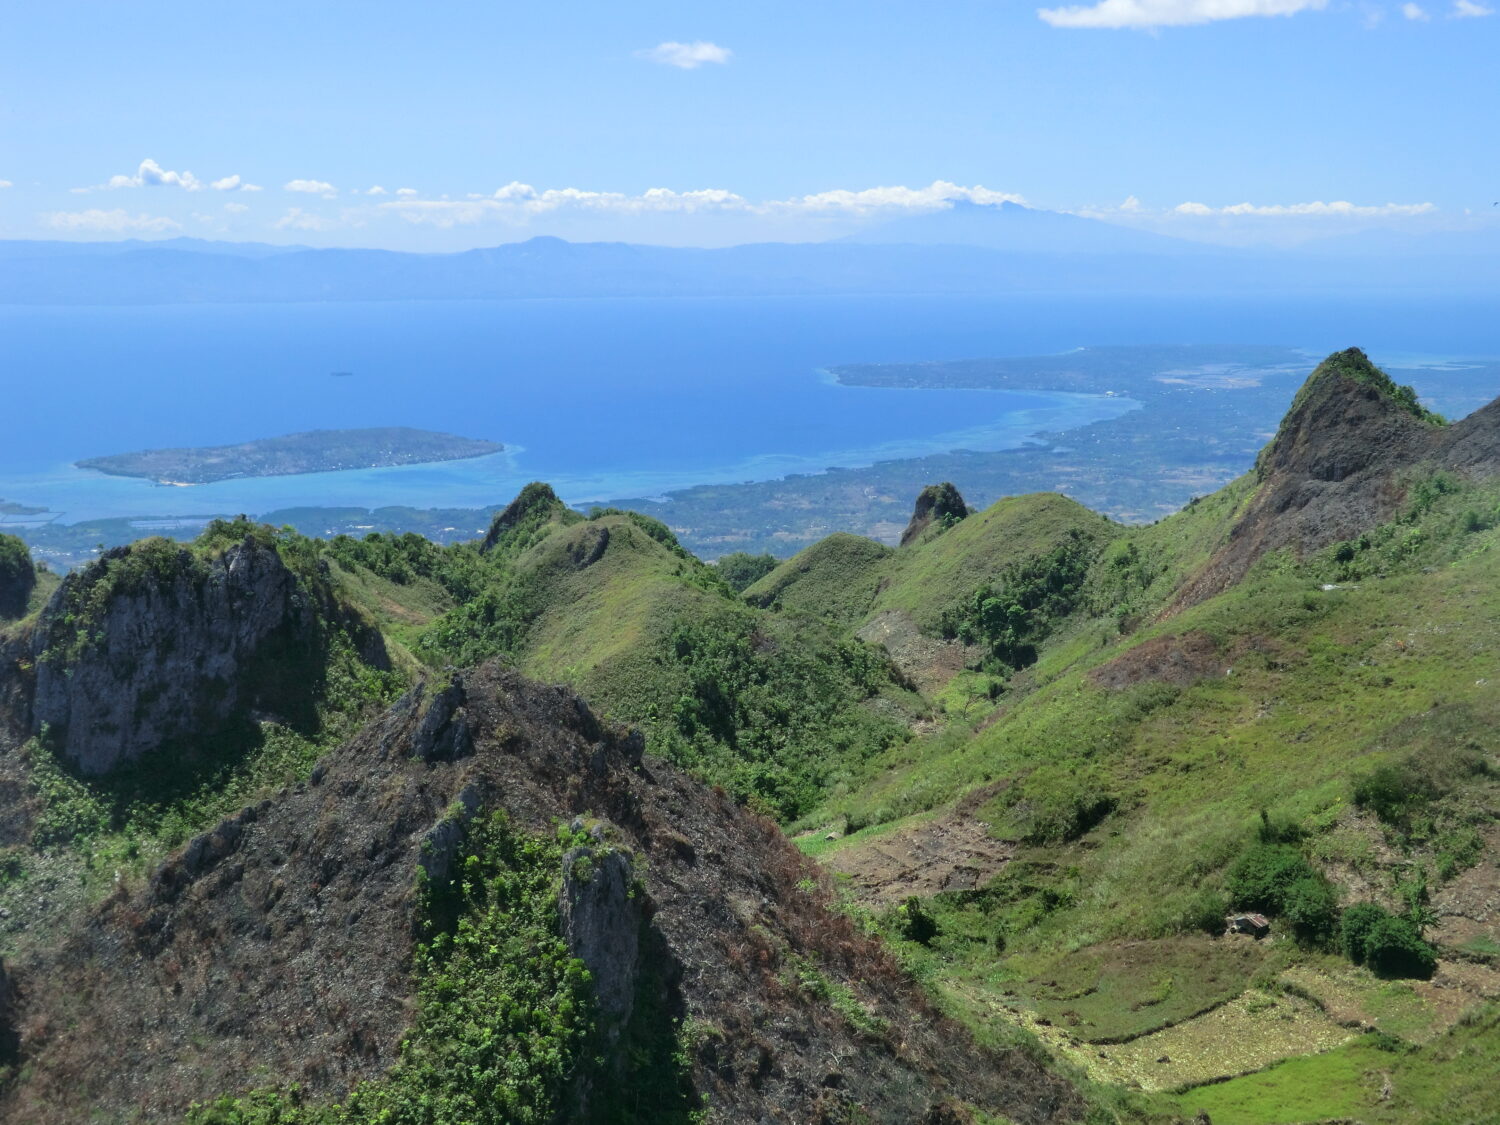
(17, 577)
(936, 504)
(156, 643)
(1343, 462)
(288, 944)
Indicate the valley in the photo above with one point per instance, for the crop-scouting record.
(945, 831)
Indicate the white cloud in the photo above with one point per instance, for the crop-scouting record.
(312, 187)
(117, 221)
(298, 219)
(1337, 209)
(936, 196)
(376, 190)
(1170, 13)
(152, 174)
(405, 192)
(1131, 204)
(686, 56)
(236, 208)
(518, 202)
(1415, 12)
(1469, 10)
(233, 183)
(5, 184)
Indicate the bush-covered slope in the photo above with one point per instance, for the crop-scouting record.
(1316, 736)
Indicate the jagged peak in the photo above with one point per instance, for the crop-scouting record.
(534, 505)
(1346, 417)
(1352, 365)
(936, 504)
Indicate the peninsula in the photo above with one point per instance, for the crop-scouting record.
(316, 451)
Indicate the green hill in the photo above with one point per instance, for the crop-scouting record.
(1042, 756)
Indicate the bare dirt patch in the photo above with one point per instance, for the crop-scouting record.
(929, 662)
(1181, 660)
(1174, 660)
(955, 852)
(1468, 906)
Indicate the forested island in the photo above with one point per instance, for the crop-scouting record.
(316, 451)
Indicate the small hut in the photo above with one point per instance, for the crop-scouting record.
(1256, 925)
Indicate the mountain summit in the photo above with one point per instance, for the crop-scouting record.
(1019, 229)
(1344, 459)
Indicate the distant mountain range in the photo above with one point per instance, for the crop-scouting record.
(966, 249)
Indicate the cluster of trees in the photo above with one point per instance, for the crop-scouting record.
(1014, 615)
(1276, 878)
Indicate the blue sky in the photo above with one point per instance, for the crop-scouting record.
(767, 120)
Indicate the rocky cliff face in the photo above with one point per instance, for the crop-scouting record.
(936, 503)
(280, 942)
(155, 643)
(1338, 464)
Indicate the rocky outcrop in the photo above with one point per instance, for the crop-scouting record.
(1338, 466)
(155, 643)
(938, 504)
(280, 943)
(601, 922)
(17, 577)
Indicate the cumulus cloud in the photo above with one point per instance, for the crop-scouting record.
(5, 184)
(1170, 13)
(376, 190)
(152, 174)
(312, 187)
(686, 56)
(1338, 209)
(233, 183)
(117, 221)
(404, 192)
(1469, 10)
(518, 202)
(236, 208)
(1415, 12)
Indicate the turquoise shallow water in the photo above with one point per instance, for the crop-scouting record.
(604, 398)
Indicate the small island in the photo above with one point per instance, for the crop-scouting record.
(316, 451)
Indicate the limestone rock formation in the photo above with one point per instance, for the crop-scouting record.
(1339, 463)
(936, 504)
(601, 922)
(154, 643)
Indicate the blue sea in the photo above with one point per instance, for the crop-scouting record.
(604, 398)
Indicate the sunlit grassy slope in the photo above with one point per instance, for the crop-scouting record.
(847, 579)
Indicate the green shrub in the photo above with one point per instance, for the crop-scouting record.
(1261, 878)
(1354, 929)
(1394, 948)
(1388, 943)
(916, 924)
(1311, 907)
(1205, 912)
